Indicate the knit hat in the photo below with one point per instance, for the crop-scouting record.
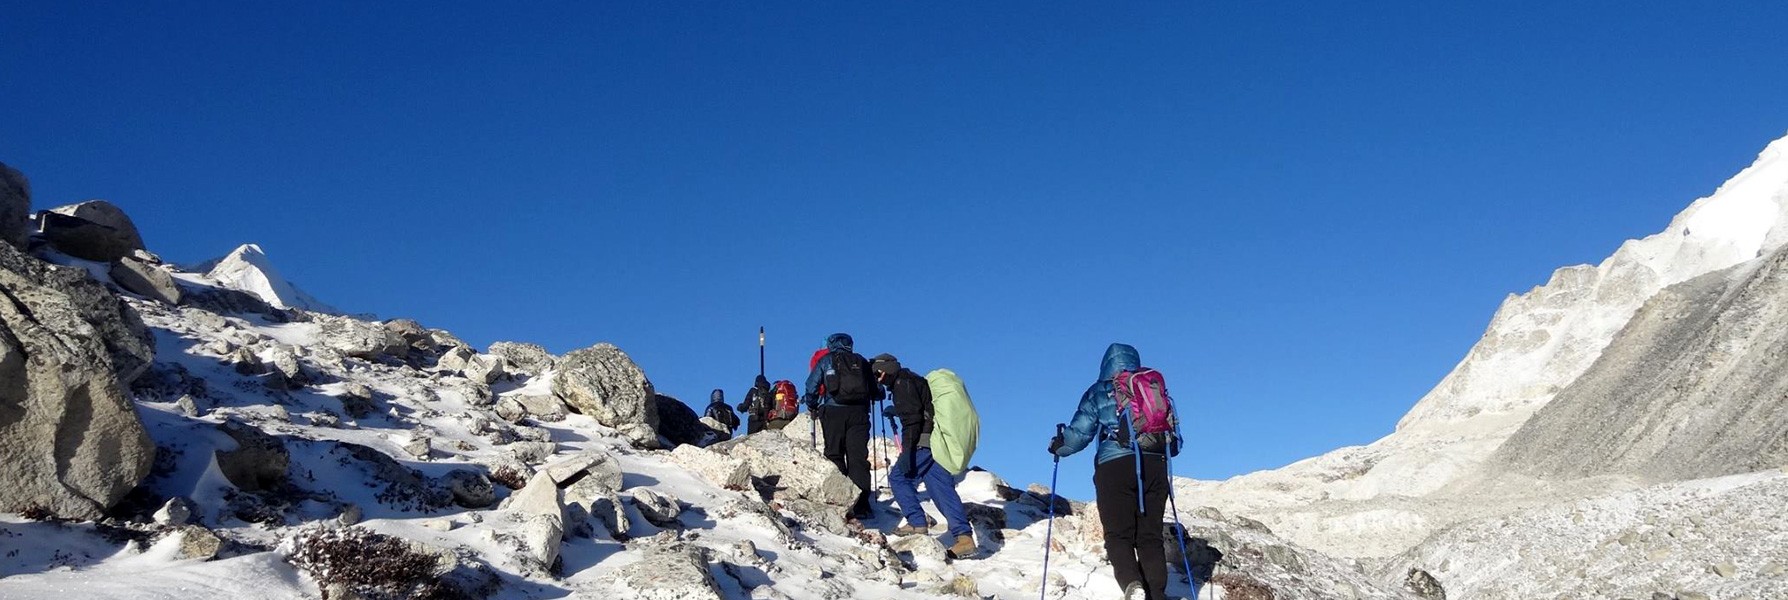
(885, 364)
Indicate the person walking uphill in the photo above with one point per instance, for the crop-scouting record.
(843, 409)
(757, 405)
(721, 413)
(912, 406)
(1132, 529)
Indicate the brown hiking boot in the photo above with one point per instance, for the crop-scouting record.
(964, 546)
(909, 530)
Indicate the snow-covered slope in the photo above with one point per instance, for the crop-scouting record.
(247, 268)
(1382, 498)
(337, 436)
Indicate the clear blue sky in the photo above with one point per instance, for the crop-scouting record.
(1303, 214)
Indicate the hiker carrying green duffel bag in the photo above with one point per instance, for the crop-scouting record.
(956, 427)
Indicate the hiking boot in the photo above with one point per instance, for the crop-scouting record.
(964, 546)
(910, 530)
(1135, 591)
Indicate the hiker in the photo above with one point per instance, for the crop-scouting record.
(720, 412)
(756, 405)
(785, 405)
(842, 405)
(912, 408)
(1133, 541)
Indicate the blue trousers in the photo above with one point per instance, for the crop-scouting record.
(939, 483)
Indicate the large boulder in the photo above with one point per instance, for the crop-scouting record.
(677, 571)
(786, 469)
(70, 440)
(719, 469)
(259, 462)
(146, 280)
(94, 230)
(541, 519)
(679, 425)
(602, 382)
(527, 358)
(15, 206)
(357, 338)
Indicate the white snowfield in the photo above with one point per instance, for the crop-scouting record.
(1381, 499)
(246, 268)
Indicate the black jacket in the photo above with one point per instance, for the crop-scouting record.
(912, 405)
(757, 400)
(719, 411)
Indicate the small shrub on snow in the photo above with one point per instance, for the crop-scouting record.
(509, 477)
(371, 565)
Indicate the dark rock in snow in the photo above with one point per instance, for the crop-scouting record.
(146, 280)
(15, 206)
(94, 230)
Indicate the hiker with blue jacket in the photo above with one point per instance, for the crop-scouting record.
(841, 389)
(1133, 540)
(912, 408)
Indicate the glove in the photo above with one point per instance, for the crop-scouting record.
(1055, 444)
(810, 401)
(893, 423)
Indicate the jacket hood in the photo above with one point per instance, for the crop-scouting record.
(1118, 358)
(838, 341)
(717, 396)
(763, 383)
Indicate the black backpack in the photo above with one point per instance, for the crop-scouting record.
(850, 381)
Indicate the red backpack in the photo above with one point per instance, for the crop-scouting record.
(788, 401)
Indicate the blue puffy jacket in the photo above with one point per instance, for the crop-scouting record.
(1097, 415)
(817, 377)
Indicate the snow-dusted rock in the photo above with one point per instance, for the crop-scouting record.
(357, 400)
(594, 465)
(470, 488)
(15, 206)
(541, 519)
(485, 368)
(602, 382)
(532, 452)
(70, 440)
(677, 572)
(356, 338)
(258, 462)
(527, 358)
(176, 511)
(659, 508)
(454, 359)
(146, 280)
(195, 543)
(95, 230)
(799, 472)
(719, 469)
(545, 408)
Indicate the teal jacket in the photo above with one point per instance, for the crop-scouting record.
(1097, 415)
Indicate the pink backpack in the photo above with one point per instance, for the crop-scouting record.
(1145, 407)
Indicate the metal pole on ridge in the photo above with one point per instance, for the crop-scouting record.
(760, 351)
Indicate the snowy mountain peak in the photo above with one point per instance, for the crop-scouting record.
(247, 268)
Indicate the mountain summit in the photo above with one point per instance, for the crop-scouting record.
(247, 268)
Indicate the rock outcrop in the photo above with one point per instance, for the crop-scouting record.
(146, 280)
(786, 470)
(678, 571)
(70, 440)
(15, 206)
(94, 230)
(602, 382)
(527, 358)
(679, 425)
(541, 518)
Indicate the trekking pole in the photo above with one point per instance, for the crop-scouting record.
(1180, 529)
(1049, 531)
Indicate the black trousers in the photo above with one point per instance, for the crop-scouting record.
(753, 424)
(847, 445)
(1132, 540)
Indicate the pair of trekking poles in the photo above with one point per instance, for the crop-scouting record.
(1179, 529)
